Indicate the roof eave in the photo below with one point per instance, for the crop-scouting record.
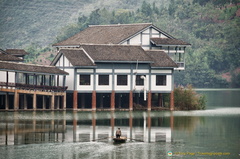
(124, 61)
(66, 46)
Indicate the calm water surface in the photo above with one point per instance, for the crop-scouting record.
(207, 134)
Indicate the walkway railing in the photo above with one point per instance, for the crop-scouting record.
(33, 87)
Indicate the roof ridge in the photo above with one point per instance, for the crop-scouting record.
(119, 24)
(92, 44)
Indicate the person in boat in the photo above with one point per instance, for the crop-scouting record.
(118, 133)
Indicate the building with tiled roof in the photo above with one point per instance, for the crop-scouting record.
(4, 56)
(120, 64)
(148, 36)
(20, 53)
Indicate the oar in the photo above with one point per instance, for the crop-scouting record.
(102, 138)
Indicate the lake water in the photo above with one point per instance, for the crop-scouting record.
(205, 134)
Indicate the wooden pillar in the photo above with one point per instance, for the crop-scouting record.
(53, 101)
(75, 100)
(7, 101)
(94, 100)
(172, 100)
(44, 102)
(130, 100)
(16, 100)
(160, 100)
(25, 101)
(149, 100)
(64, 101)
(34, 101)
(58, 102)
(113, 100)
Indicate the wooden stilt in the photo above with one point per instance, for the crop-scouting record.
(64, 101)
(113, 100)
(25, 101)
(58, 102)
(34, 101)
(172, 100)
(130, 100)
(44, 102)
(149, 100)
(75, 100)
(94, 96)
(7, 101)
(16, 100)
(53, 101)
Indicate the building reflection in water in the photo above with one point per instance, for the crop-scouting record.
(50, 127)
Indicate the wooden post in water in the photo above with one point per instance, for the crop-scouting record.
(64, 101)
(75, 100)
(172, 101)
(7, 101)
(149, 100)
(94, 100)
(44, 102)
(25, 101)
(113, 100)
(130, 100)
(16, 100)
(34, 101)
(53, 101)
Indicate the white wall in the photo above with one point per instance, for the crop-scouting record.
(70, 79)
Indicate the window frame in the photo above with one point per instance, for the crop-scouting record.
(122, 80)
(161, 80)
(86, 77)
(139, 81)
(103, 80)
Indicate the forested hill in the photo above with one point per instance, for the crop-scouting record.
(211, 26)
(26, 22)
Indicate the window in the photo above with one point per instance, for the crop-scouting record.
(122, 80)
(103, 79)
(139, 80)
(84, 79)
(161, 80)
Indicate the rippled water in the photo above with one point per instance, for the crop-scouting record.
(211, 133)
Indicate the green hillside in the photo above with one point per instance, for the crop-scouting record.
(26, 22)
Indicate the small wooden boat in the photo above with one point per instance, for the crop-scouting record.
(122, 139)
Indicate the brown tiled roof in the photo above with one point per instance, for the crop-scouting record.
(76, 57)
(4, 56)
(16, 52)
(104, 34)
(38, 69)
(168, 41)
(116, 53)
(161, 59)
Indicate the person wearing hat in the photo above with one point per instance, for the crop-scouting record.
(118, 133)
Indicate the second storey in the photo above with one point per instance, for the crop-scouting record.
(119, 68)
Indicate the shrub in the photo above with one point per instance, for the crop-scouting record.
(187, 99)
